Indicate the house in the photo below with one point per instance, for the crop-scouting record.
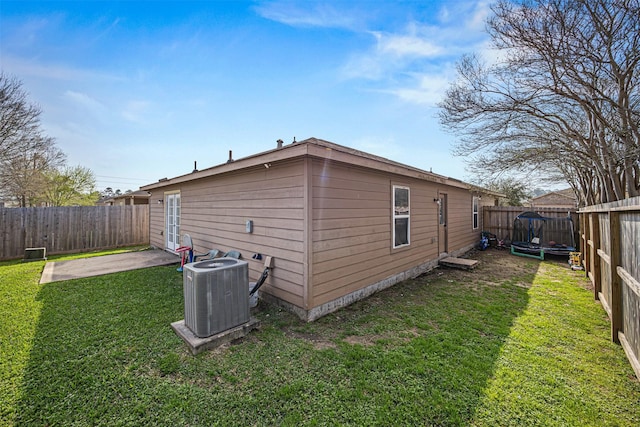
(139, 197)
(565, 199)
(7, 203)
(339, 223)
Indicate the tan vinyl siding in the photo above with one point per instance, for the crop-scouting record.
(352, 232)
(214, 211)
(156, 214)
(460, 224)
(156, 221)
(424, 217)
(324, 213)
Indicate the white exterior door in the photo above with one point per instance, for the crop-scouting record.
(172, 212)
(443, 234)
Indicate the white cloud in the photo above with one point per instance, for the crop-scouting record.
(393, 52)
(479, 15)
(424, 51)
(135, 110)
(490, 54)
(85, 101)
(427, 89)
(406, 45)
(306, 14)
(110, 27)
(471, 14)
(29, 32)
(444, 14)
(364, 66)
(52, 71)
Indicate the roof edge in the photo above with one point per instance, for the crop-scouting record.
(319, 148)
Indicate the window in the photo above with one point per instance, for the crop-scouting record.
(400, 216)
(475, 212)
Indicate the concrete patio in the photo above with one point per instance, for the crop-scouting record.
(56, 271)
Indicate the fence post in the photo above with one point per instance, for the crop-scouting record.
(616, 285)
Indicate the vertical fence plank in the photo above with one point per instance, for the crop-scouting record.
(604, 253)
(585, 238)
(616, 292)
(3, 231)
(595, 258)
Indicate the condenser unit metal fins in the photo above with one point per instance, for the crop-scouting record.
(216, 295)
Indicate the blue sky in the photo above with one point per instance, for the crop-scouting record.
(139, 90)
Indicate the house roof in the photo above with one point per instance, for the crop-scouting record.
(567, 193)
(318, 148)
(140, 194)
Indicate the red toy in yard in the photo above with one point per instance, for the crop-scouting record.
(186, 251)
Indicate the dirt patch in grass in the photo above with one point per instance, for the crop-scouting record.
(495, 268)
(372, 339)
(316, 340)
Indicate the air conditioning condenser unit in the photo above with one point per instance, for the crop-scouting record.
(216, 295)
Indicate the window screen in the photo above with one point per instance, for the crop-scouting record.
(401, 216)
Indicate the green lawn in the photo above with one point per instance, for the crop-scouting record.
(514, 342)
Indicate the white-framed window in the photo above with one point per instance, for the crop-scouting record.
(476, 216)
(401, 216)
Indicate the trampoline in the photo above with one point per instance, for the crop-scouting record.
(535, 235)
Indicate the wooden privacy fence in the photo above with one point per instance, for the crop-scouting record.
(72, 228)
(610, 243)
(499, 219)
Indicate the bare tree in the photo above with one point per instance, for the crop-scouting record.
(26, 154)
(18, 118)
(24, 176)
(564, 101)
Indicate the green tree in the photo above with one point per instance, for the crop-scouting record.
(516, 191)
(70, 186)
